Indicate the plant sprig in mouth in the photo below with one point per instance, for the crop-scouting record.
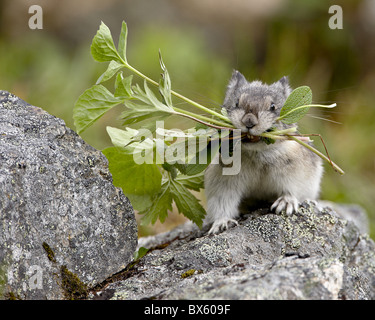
(249, 138)
(152, 187)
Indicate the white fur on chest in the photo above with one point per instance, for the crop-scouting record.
(265, 175)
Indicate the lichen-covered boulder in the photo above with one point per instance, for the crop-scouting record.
(64, 227)
(313, 254)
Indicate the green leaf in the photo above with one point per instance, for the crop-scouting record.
(112, 69)
(148, 107)
(165, 83)
(102, 47)
(136, 113)
(140, 202)
(122, 41)
(187, 203)
(195, 182)
(149, 97)
(91, 105)
(161, 203)
(186, 147)
(290, 112)
(297, 113)
(176, 152)
(123, 86)
(141, 180)
(138, 143)
(195, 141)
(122, 138)
(195, 166)
(140, 253)
(171, 168)
(268, 140)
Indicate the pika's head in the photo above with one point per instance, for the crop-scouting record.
(254, 107)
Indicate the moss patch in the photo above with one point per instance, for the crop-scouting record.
(50, 253)
(12, 296)
(188, 273)
(73, 287)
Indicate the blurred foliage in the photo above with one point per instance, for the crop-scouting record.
(338, 65)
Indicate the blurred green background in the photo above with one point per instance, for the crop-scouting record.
(202, 41)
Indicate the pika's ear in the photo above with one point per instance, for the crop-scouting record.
(284, 81)
(283, 85)
(237, 81)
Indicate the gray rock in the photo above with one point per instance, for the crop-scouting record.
(62, 222)
(314, 254)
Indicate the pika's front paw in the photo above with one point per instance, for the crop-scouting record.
(222, 225)
(287, 203)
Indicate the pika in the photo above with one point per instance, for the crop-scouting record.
(282, 174)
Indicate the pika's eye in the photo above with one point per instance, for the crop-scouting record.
(272, 107)
(237, 103)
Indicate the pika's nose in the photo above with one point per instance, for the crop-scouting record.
(249, 120)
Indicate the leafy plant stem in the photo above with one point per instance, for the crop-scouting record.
(202, 119)
(285, 131)
(306, 107)
(334, 165)
(272, 136)
(128, 66)
(191, 102)
(278, 134)
(199, 106)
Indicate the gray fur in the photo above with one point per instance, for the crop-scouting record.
(284, 173)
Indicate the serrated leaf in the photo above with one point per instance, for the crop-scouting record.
(149, 107)
(171, 168)
(176, 152)
(149, 97)
(197, 142)
(122, 41)
(180, 167)
(161, 203)
(290, 112)
(102, 46)
(186, 146)
(195, 182)
(112, 69)
(136, 113)
(187, 203)
(165, 83)
(91, 105)
(196, 165)
(143, 181)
